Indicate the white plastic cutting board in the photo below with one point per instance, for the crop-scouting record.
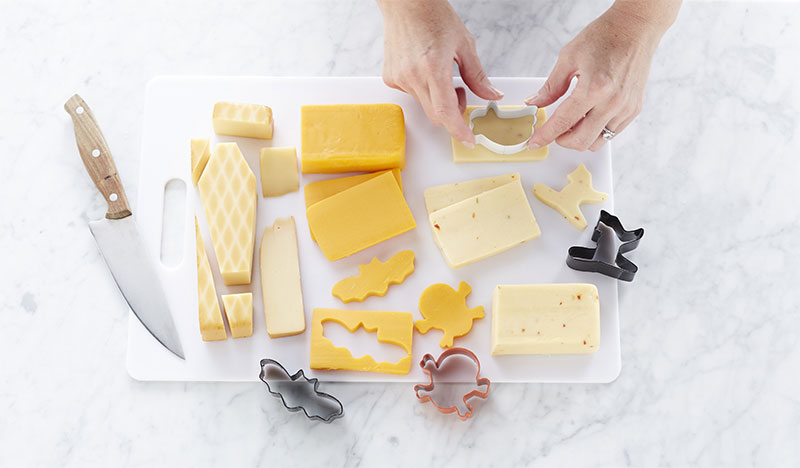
(179, 108)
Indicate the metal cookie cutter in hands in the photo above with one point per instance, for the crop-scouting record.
(301, 392)
(427, 392)
(493, 146)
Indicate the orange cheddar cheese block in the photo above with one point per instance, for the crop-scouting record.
(352, 138)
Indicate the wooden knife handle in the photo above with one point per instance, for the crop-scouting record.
(97, 157)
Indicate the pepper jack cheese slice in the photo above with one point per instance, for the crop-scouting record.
(484, 225)
(278, 171)
(228, 191)
(352, 137)
(480, 153)
(239, 310)
(360, 217)
(280, 280)
(568, 201)
(323, 189)
(201, 150)
(243, 120)
(545, 319)
(443, 196)
(212, 327)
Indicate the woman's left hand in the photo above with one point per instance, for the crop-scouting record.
(611, 59)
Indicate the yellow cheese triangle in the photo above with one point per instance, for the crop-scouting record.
(212, 328)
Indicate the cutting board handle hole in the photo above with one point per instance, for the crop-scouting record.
(173, 223)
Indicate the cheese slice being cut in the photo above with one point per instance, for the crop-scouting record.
(480, 153)
(280, 280)
(360, 217)
(323, 189)
(484, 225)
(352, 138)
(545, 319)
(278, 171)
(228, 192)
(212, 328)
(201, 151)
(443, 196)
(243, 120)
(239, 310)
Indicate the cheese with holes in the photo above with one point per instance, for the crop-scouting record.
(396, 328)
(545, 319)
(280, 280)
(278, 171)
(323, 189)
(212, 328)
(360, 217)
(481, 153)
(484, 224)
(443, 196)
(243, 120)
(228, 192)
(201, 150)
(352, 137)
(239, 310)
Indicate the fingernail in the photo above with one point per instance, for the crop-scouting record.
(533, 146)
(496, 91)
(531, 98)
(468, 144)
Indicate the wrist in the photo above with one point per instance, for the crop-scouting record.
(650, 19)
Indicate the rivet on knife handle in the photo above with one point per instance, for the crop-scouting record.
(97, 157)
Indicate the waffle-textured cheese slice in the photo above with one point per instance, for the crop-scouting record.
(480, 153)
(352, 137)
(228, 192)
(323, 189)
(201, 151)
(239, 310)
(212, 328)
(278, 171)
(280, 280)
(244, 120)
(360, 217)
(545, 319)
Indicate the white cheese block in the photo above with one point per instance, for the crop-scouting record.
(545, 319)
(280, 280)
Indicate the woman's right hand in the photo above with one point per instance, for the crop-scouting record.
(422, 39)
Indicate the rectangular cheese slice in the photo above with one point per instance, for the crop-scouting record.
(201, 151)
(442, 196)
(485, 224)
(212, 328)
(482, 154)
(280, 280)
(243, 120)
(352, 138)
(317, 191)
(278, 171)
(360, 217)
(545, 319)
(239, 310)
(228, 192)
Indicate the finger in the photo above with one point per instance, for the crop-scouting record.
(569, 113)
(445, 105)
(585, 132)
(616, 125)
(471, 70)
(554, 87)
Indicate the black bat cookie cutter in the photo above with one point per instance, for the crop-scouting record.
(316, 405)
(602, 259)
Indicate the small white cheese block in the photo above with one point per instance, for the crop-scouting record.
(280, 280)
(278, 171)
(443, 196)
(239, 310)
(484, 225)
(545, 319)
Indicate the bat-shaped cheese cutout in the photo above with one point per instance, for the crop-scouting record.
(375, 278)
(446, 309)
(568, 201)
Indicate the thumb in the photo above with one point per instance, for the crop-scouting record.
(473, 75)
(556, 85)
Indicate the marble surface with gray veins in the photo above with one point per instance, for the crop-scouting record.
(711, 360)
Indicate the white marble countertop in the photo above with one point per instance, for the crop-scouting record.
(711, 361)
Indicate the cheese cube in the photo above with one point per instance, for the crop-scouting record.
(360, 217)
(317, 191)
(228, 192)
(484, 224)
(278, 171)
(545, 319)
(212, 328)
(442, 196)
(243, 120)
(239, 310)
(280, 280)
(481, 153)
(352, 137)
(201, 150)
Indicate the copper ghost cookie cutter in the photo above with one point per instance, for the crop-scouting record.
(432, 366)
(493, 146)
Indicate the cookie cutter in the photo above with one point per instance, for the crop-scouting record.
(491, 145)
(434, 364)
(602, 259)
(298, 383)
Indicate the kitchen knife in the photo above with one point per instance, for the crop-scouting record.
(118, 236)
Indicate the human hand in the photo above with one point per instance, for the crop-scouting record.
(611, 58)
(422, 39)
